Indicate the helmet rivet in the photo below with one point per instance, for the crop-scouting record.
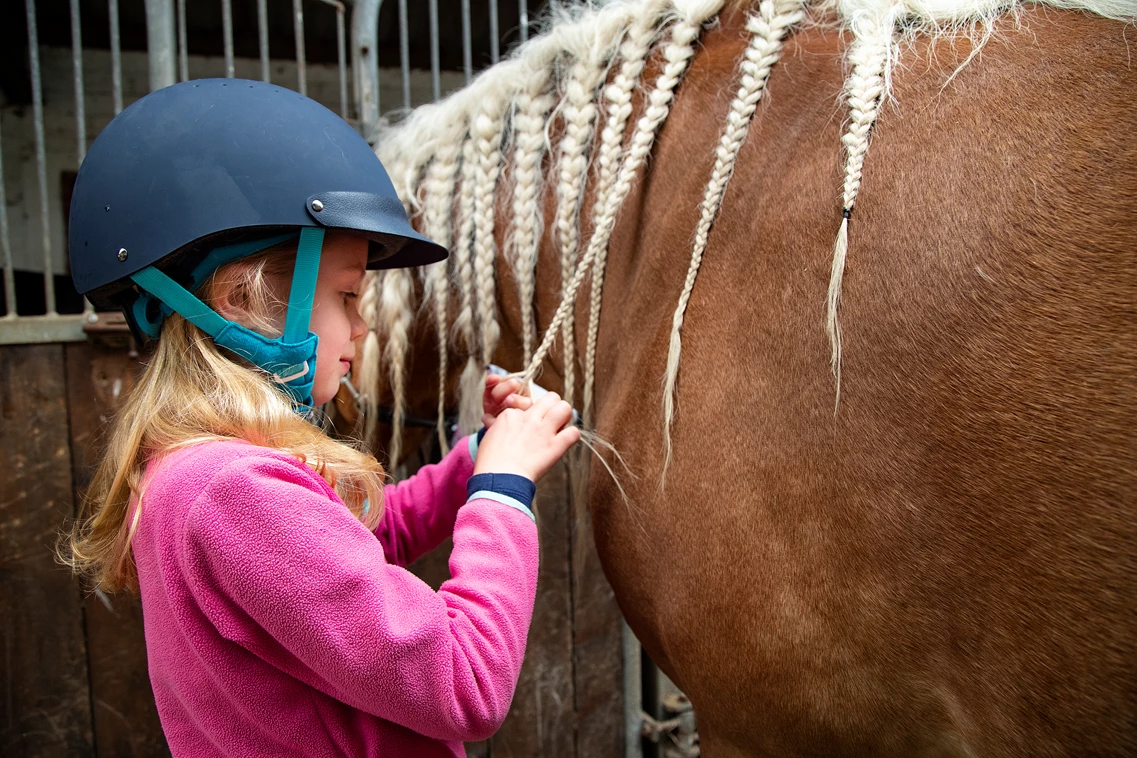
(317, 206)
(122, 253)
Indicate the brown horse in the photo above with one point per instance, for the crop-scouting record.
(943, 564)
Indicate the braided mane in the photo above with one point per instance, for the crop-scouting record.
(446, 161)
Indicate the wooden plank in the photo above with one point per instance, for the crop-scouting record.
(100, 375)
(47, 709)
(541, 720)
(597, 646)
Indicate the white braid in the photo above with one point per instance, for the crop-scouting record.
(529, 120)
(486, 133)
(866, 87)
(618, 95)
(768, 28)
(396, 310)
(439, 188)
(677, 55)
(469, 388)
(578, 112)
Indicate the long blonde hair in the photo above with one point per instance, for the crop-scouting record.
(192, 392)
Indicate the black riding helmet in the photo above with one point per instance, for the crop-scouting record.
(211, 170)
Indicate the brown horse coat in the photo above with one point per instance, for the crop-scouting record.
(946, 565)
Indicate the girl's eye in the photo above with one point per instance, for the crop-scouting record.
(349, 296)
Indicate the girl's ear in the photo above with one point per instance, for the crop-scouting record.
(230, 295)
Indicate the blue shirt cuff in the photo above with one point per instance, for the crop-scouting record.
(474, 441)
(507, 489)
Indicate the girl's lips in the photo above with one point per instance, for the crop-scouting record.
(346, 365)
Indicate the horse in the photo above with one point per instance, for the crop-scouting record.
(862, 326)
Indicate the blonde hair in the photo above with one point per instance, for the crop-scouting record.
(192, 392)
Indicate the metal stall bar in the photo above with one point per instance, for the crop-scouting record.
(435, 67)
(405, 53)
(6, 243)
(341, 51)
(227, 36)
(262, 33)
(298, 31)
(116, 57)
(77, 65)
(467, 53)
(523, 9)
(160, 42)
(80, 105)
(183, 45)
(41, 156)
(365, 61)
(495, 52)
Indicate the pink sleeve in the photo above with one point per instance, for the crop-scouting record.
(419, 513)
(281, 568)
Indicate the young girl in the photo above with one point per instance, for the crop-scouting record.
(279, 617)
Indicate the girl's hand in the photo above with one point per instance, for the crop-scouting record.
(528, 442)
(501, 393)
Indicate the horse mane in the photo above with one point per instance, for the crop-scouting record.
(446, 161)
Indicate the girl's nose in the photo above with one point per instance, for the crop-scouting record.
(358, 325)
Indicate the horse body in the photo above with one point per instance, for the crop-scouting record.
(944, 563)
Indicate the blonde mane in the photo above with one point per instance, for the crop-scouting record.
(446, 161)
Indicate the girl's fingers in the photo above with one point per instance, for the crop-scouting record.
(504, 389)
(547, 402)
(559, 415)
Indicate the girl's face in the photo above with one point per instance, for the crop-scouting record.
(335, 311)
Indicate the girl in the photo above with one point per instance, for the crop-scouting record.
(279, 618)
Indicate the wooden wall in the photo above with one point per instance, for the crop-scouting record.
(74, 664)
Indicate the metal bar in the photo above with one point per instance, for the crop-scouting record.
(467, 54)
(262, 33)
(341, 51)
(435, 67)
(298, 31)
(364, 57)
(183, 46)
(116, 56)
(80, 104)
(495, 52)
(31, 330)
(523, 9)
(160, 42)
(405, 53)
(227, 35)
(77, 65)
(41, 155)
(633, 692)
(6, 244)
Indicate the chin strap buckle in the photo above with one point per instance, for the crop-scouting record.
(297, 373)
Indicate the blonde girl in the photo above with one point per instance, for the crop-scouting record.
(233, 222)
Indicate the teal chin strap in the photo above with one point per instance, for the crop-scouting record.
(290, 359)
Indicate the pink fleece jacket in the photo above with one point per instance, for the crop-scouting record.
(278, 625)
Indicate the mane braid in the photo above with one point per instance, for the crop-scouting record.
(439, 188)
(395, 309)
(532, 108)
(486, 131)
(866, 87)
(618, 95)
(677, 54)
(470, 385)
(768, 28)
(578, 113)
